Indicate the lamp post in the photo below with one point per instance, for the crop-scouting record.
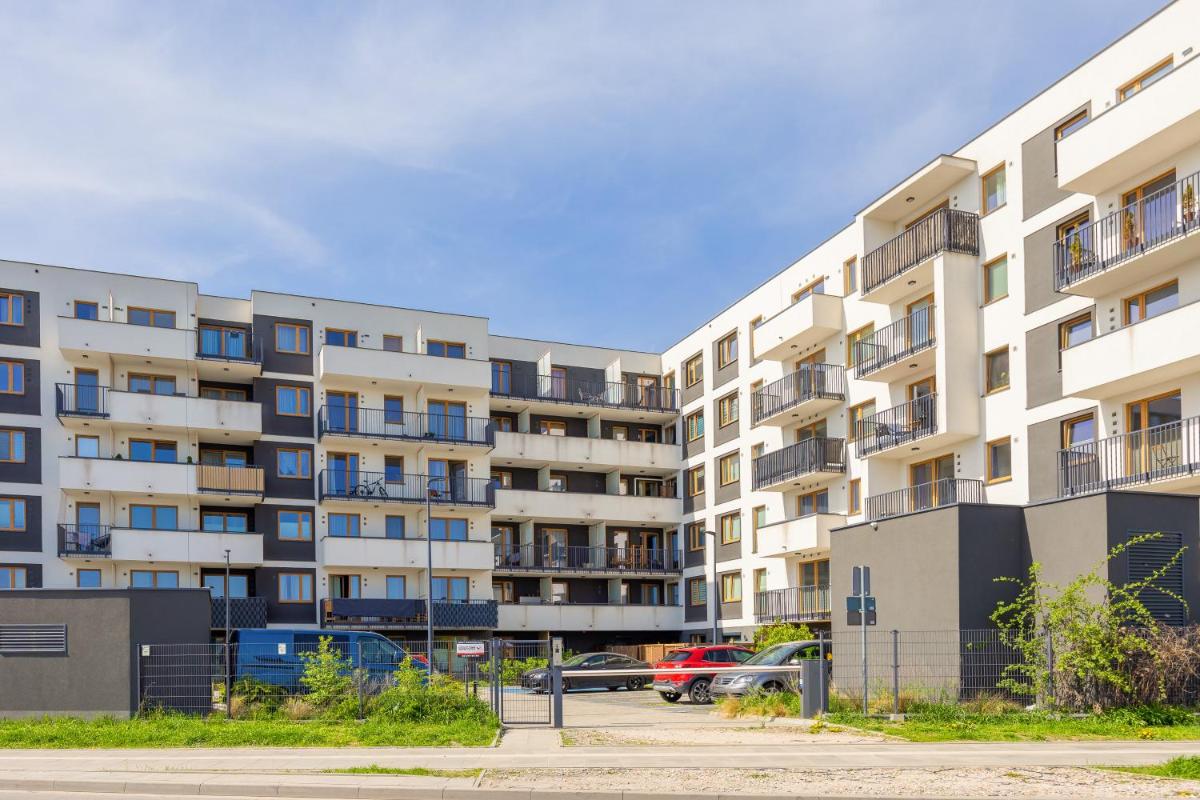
(430, 494)
(228, 660)
(712, 591)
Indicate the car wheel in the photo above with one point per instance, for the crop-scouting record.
(670, 697)
(635, 683)
(699, 693)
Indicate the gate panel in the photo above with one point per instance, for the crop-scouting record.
(523, 698)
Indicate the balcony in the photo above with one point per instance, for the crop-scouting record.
(1133, 136)
(794, 604)
(901, 348)
(797, 327)
(1166, 457)
(538, 450)
(1136, 242)
(238, 485)
(1135, 357)
(227, 353)
(379, 487)
(379, 551)
(412, 426)
(948, 230)
(590, 617)
(244, 612)
(379, 614)
(641, 401)
(80, 406)
(186, 547)
(172, 347)
(810, 389)
(897, 426)
(816, 459)
(391, 368)
(583, 508)
(554, 559)
(801, 536)
(84, 541)
(925, 496)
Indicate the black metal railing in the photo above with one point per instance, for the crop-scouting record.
(221, 479)
(382, 423)
(228, 344)
(794, 604)
(76, 400)
(383, 614)
(945, 230)
(1163, 216)
(808, 382)
(340, 484)
(818, 454)
(924, 496)
(902, 339)
(608, 394)
(898, 425)
(244, 612)
(658, 490)
(581, 558)
(1163, 452)
(85, 540)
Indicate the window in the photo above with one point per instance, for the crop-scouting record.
(558, 482)
(344, 525)
(996, 370)
(448, 529)
(223, 341)
(758, 520)
(754, 323)
(291, 337)
(993, 190)
(239, 585)
(12, 514)
(857, 419)
(853, 342)
(696, 481)
(620, 433)
(152, 317)
(393, 410)
(392, 343)
(995, 280)
(224, 521)
(727, 350)
(222, 393)
(1151, 303)
(502, 377)
(347, 586)
(151, 384)
(697, 592)
(1072, 332)
(1148, 77)
(731, 468)
(668, 383)
(999, 460)
(393, 527)
(1078, 430)
(87, 309)
(393, 469)
(12, 377)
(760, 580)
(12, 578)
(503, 424)
(816, 287)
(812, 503)
(154, 518)
(397, 588)
(730, 527)
(695, 536)
(693, 370)
(453, 590)
(88, 579)
(436, 347)
(695, 425)
(731, 587)
(295, 587)
(12, 308)
(549, 427)
(727, 410)
(293, 401)
(87, 446)
(855, 496)
(1074, 123)
(339, 337)
(293, 463)
(153, 579)
(757, 451)
(12, 446)
(502, 479)
(850, 274)
(295, 526)
(152, 450)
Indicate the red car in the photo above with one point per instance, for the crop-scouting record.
(681, 677)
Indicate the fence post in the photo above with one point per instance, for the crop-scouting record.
(1049, 667)
(896, 673)
(358, 671)
(228, 678)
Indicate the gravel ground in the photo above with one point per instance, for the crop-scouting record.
(1042, 782)
(748, 734)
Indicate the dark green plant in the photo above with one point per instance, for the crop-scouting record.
(780, 632)
(414, 697)
(328, 679)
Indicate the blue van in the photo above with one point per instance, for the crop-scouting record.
(272, 655)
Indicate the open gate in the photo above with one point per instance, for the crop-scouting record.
(520, 697)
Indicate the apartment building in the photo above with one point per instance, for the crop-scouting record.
(995, 344)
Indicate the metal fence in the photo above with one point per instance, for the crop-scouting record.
(389, 423)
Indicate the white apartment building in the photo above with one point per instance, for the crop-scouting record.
(1012, 323)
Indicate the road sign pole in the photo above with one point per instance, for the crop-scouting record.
(863, 601)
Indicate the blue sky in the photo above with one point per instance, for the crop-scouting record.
(607, 173)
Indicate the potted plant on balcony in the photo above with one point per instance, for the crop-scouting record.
(1129, 229)
(1075, 249)
(1189, 204)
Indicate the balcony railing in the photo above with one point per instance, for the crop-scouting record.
(924, 496)
(794, 604)
(244, 612)
(608, 394)
(1164, 452)
(385, 487)
(74, 400)
(945, 230)
(380, 614)
(573, 558)
(819, 454)
(902, 339)
(228, 344)
(1125, 234)
(808, 382)
(84, 541)
(381, 423)
(898, 425)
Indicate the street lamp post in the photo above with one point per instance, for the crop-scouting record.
(713, 589)
(430, 494)
(228, 660)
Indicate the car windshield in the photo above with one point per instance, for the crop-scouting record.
(773, 656)
(677, 655)
(575, 661)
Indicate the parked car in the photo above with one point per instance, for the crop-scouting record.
(596, 664)
(272, 655)
(735, 684)
(680, 679)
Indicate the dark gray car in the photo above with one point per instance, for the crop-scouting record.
(597, 665)
(735, 684)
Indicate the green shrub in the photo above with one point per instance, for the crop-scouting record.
(760, 704)
(328, 679)
(412, 698)
(779, 633)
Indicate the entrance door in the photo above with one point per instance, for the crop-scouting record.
(343, 473)
(88, 531)
(1154, 444)
(1149, 211)
(87, 391)
(555, 554)
(647, 389)
(809, 377)
(448, 478)
(932, 482)
(921, 404)
(343, 411)
(920, 323)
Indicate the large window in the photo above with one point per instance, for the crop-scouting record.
(853, 343)
(153, 450)
(12, 377)
(454, 590)
(239, 585)
(695, 425)
(12, 514)
(731, 527)
(437, 347)
(295, 587)
(153, 579)
(995, 280)
(12, 446)
(855, 417)
(1074, 331)
(731, 468)
(152, 317)
(993, 190)
(140, 383)
(727, 410)
(295, 526)
(293, 463)
(502, 377)
(344, 525)
(727, 350)
(156, 518)
(448, 529)
(996, 370)
(223, 341)
(291, 337)
(1078, 430)
(293, 401)
(812, 503)
(12, 308)
(224, 521)
(1151, 303)
(693, 370)
(13, 578)
(731, 587)
(397, 587)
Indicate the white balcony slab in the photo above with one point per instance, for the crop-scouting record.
(386, 367)
(802, 536)
(124, 476)
(186, 547)
(362, 551)
(81, 337)
(586, 509)
(537, 450)
(799, 326)
(572, 617)
(203, 415)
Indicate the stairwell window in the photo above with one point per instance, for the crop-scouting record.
(1155, 73)
(292, 338)
(727, 350)
(993, 191)
(996, 370)
(995, 280)
(696, 481)
(730, 527)
(12, 446)
(12, 309)
(999, 460)
(731, 468)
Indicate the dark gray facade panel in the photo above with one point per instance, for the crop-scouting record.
(284, 424)
(523, 478)
(267, 582)
(30, 333)
(274, 361)
(31, 401)
(1044, 440)
(730, 611)
(266, 522)
(692, 558)
(723, 433)
(726, 493)
(989, 547)
(1131, 513)
(725, 374)
(1039, 170)
(576, 426)
(30, 539)
(730, 551)
(33, 572)
(692, 504)
(1039, 264)
(275, 486)
(694, 447)
(693, 613)
(29, 470)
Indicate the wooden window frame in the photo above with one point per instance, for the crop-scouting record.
(1081, 114)
(154, 447)
(668, 381)
(503, 478)
(693, 370)
(696, 481)
(854, 496)
(854, 416)
(813, 495)
(1140, 297)
(12, 435)
(15, 503)
(1067, 424)
(728, 580)
(300, 516)
(502, 424)
(154, 509)
(624, 430)
(302, 392)
(446, 345)
(224, 394)
(987, 301)
(1145, 402)
(346, 332)
(301, 475)
(156, 573)
(1065, 326)
(154, 314)
(303, 338)
(808, 290)
(12, 368)
(547, 425)
(304, 581)
(225, 515)
(1136, 83)
(727, 350)
(12, 571)
(988, 450)
(988, 388)
(734, 534)
(697, 590)
(687, 425)
(727, 410)
(695, 536)
(734, 473)
(347, 516)
(13, 300)
(153, 379)
(983, 179)
(557, 475)
(850, 275)
(853, 338)
(504, 369)
(89, 570)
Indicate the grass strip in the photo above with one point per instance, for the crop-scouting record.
(1016, 727)
(375, 769)
(1185, 767)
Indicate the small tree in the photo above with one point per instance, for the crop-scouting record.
(326, 675)
(779, 632)
(1077, 651)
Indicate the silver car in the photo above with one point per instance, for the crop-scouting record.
(735, 684)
